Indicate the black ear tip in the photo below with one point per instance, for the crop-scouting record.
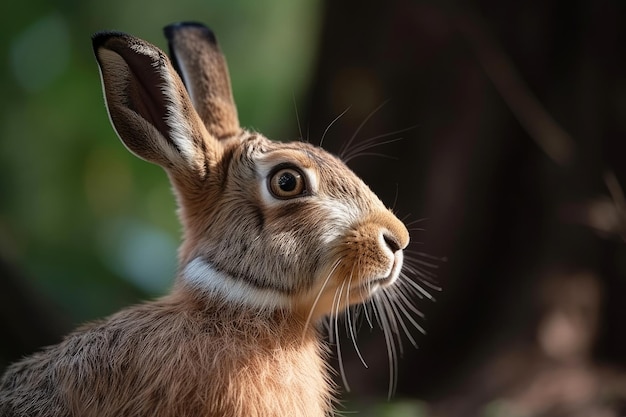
(170, 30)
(99, 38)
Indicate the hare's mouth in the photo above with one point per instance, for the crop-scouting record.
(383, 282)
(392, 276)
(370, 286)
(376, 283)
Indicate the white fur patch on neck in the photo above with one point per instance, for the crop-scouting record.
(204, 276)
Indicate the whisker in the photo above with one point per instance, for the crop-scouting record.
(420, 272)
(403, 298)
(351, 326)
(411, 291)
(366, 309)
(389, 312)
(402, 303)
(424, 277)
(398, 308)
(395, 198)
(319, 294)
(423, 267)
(295, 106)
(418, 287)
(427, 256)
(358, 129)
(412, 225)
(348, 154)
(389, 341)
(405, 218)
(377, 154)
(373, 139)
(332, 123)
(359, 150)
(336, 305)
(412, 222)
(333, 317)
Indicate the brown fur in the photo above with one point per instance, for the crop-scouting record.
(173, 357)
(237, 336)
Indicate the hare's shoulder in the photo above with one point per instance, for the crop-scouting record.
(116, 366)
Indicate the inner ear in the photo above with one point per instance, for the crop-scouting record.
(148, 105)
(144, 95)
(197, 58)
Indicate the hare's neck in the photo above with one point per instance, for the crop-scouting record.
(272, 363)
(204, 277)
(280, 326)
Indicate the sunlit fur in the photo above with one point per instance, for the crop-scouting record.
(238, 335)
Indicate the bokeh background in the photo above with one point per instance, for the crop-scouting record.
(512, 154)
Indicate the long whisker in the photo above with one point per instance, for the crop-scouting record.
(332, 123)
(389, 341)
(421, 265)
(347, 145)
(419, 270)
(390, 314)
(420, 290)
(375, 141)
(396, 317)
(332, 319)
(404, 299)
(350, 324)
(428, 278)
(360, 150)
(295, 106)
(319, 294)
(376, 154)
(412, 222)
(426, 256)
(366, 311)
(336, 307)
(399, 308)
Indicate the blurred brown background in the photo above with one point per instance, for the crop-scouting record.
(513, 124)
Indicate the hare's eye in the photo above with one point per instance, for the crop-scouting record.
(287, 182)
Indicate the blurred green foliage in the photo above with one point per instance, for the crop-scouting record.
(90, 224)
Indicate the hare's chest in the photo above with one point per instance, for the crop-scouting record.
(184, 374)
(270, 383)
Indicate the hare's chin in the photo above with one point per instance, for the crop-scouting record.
(371, 286)
(391, 278)
(378, 283)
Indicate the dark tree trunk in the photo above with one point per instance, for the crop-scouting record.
(514, 112)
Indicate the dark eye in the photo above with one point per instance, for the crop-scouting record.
(287, 182)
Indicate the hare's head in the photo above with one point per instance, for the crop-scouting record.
(267, 225)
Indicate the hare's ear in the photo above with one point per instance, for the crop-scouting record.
(148, 105)
(199, 62)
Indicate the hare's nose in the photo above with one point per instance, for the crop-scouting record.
(391, 241)
(394, 234)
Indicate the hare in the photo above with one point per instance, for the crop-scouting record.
(276, 237)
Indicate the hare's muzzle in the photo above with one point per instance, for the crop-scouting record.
(393, 247)
(367, 258)
(383, 239)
